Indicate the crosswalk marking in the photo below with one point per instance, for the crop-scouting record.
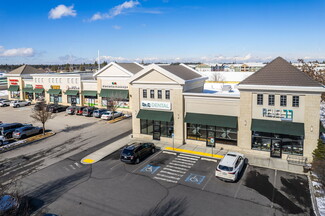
(177, 168)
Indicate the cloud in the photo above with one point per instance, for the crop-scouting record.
(117, 10)
(117, 27)
(61, 11)
(26, 52)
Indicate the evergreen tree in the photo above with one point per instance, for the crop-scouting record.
(319, 152)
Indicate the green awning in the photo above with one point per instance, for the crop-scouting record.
(54, 91)
(321, 128)
(38, 90)
(213, 120)
(155, 115)
(278, 127)
(29, 90)
(115, 93)
(13, 88)
(89, 93)
(72, 92)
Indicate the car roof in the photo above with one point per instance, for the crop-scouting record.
(230, 159)
(21, 128)
(132, 146)
(9, 124)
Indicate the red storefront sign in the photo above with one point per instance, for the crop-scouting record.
(13, 80)
(39, 86)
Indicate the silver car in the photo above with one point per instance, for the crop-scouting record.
(19, 103)
(230, 166)
(24, 132)
(4, 103)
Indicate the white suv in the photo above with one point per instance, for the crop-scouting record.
(19, 103)
(230, 166)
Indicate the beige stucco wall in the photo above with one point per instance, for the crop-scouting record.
(155, 77)
(312, 118)
(113, 71)
(245, 120)
(298, 112)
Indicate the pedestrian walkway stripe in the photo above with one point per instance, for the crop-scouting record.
(181, 165)
(173, 170)
(164, 179)
(188, 158)
(175, 167)
(188, 161)
(194, 152)
(181, 162)
(170, 173)
(166, 176)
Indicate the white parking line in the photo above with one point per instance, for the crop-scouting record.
(78, 165)
(181, 165)
(207, 181)
(181, 162)
(171, 173)
(173, 170)
(188, 158)
(189, 161)
(163, 179)
(168, 177)
(188, 155)
(72, 166)
(175, 167)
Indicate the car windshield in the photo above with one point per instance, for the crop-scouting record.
(127, 152)
(225, 168)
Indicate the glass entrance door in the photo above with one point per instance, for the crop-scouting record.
(276, 150)
(156, 130)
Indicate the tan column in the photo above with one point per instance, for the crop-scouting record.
(245, 120)
(312, 118)
(21, 86)
(178, 110)
(134, 101)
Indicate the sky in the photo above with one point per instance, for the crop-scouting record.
(215, 31)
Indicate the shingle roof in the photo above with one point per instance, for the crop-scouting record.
(25, 69)
(279, 72)
(132, 67)
(181, 72)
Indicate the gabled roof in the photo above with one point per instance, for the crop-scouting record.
(279, 72)
(25, 69)
(132, 67)
(129, 68)
(179, 73)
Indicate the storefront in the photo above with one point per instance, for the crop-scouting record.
(156, 123)
(90, 98)
(73, 97)
(28, 92)
(117, 96)
(14, 91)
(39, 92)
(55, 95)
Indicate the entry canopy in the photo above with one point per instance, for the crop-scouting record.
(54, 91)
(38, 90)
(114, 93)
(89, 93)
(321, 128)
(278, 127)
(212, 120)
(28, 90)
(72, 92)
(13, 88)
(155, 115)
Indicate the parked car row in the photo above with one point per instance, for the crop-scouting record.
(17, 131)
(93, 111)
(14, 103)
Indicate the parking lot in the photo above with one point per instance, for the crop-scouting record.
(165, 183)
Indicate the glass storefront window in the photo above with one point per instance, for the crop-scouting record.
(166, 128)
(52, 96)
(150, 127)
(29, 96)
(75, 99)
(143, 125)
(15, 94)
(39, 96)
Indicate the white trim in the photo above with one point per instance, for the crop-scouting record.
(139, 65)
(282, 88)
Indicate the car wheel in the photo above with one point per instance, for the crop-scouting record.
(17, 105)
(28, 104)
(56, 111)
(137, 160)
(8, 136)
(1, 142)
(153, 150)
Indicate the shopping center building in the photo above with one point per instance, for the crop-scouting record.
(275, 111)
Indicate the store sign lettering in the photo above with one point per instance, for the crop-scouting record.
(113, 86)
(73, 87)
(39, 86)
(55, 87)
(13, 80)
(155, 105)
(285, 115)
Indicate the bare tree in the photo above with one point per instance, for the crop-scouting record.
(310, 69)
(112, 105)
(41, 114)
(218, 77)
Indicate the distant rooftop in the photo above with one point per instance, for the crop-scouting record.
(25, 69)
(131, 67)
(181, 71)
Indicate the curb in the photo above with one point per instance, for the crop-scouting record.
(312, 196)
(202, 156)
(3, 149)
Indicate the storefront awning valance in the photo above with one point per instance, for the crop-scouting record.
(38, 90)
(114, 93)
(72, 92)
(54, 91)
(89, 93)
(213, 120)
(28, 90)
(155, 115)
(321, 127)
(13, 88)
(278, 127)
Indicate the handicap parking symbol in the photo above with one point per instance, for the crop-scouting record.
(194, 178)
(149, 168)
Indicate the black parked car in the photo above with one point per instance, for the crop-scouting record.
(135, 152)
(57, 108)
(79, 110)
(6, 130)
(88, 111)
